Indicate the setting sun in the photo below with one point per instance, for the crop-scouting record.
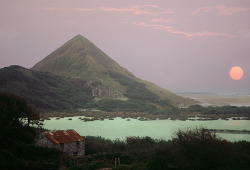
(236, 73)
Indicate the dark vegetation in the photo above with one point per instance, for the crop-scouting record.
(17, 136)
(226, 110)
(207, 112)
(15, 118)
(188, 149)
(150, 111)
(111, 105)
(45, 91)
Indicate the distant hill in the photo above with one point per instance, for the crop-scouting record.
(80, 58)
(45, 91)
(213, 99)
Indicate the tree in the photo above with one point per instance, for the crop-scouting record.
(15, 119)
(200, 149)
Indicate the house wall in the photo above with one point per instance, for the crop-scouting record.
(73, 148)
(41, 140)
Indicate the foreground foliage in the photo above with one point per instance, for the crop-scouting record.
(188, 149)
(17, 149)
(15, 119)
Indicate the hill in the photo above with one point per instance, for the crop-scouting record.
(45, 91)
(80, 58)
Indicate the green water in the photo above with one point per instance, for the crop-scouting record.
(159, 129)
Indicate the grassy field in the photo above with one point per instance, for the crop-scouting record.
(218, 100)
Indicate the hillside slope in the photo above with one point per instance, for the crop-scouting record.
(45, 91)
(80, 58)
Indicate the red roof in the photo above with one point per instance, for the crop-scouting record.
(63, 136)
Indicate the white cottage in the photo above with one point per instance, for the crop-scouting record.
(68, 141)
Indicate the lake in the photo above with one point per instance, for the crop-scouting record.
(159, 129)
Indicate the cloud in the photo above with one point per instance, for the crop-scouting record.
(137, 10)
(189, 35)
(221, 9)
(153, 6)
(158, 20)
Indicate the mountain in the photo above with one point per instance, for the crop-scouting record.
(80, 58)
(79, 75)
(45, 91)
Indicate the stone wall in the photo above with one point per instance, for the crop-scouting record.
(41, 140)
(72, 148)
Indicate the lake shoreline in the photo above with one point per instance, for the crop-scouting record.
(229, 131)
(101, 115)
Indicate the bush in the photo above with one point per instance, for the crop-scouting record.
(196, 148)
(96, 145)
(200, 149)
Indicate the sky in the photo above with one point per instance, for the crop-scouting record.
(183, 46)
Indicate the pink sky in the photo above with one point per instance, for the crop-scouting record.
(178, 45)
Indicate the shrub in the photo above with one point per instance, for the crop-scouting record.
(200, 149)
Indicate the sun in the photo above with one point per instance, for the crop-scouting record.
(236, 73)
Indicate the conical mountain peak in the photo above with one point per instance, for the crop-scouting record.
(79, 36)
(79, 58)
